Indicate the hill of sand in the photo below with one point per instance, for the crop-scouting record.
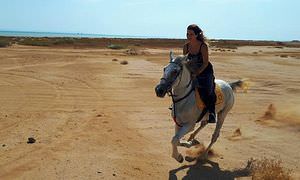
(95, 118)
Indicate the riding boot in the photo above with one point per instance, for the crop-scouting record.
(211, 108)
(212, 117)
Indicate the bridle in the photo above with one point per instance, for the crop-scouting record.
(169, 91)
(170, 84)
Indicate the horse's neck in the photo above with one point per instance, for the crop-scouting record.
(184, 85)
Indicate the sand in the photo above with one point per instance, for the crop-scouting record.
(94, 117)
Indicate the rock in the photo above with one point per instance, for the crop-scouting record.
(124, 62)
(31, 140)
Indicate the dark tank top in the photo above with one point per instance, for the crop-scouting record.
(196, 61)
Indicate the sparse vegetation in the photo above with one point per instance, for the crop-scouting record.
(119, 43)
(268, 169)
(36, 42)
(116, 46)
(64, 41)
(4, 43)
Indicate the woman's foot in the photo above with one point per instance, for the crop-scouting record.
(212, 117)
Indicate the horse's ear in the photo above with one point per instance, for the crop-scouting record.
(171, 56)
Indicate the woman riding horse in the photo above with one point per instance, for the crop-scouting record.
(201, 69)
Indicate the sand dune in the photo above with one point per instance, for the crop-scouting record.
(95, 118)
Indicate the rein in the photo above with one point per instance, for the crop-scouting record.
(169, 83)
(178, 100)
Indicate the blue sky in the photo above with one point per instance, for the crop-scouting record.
(220, 19)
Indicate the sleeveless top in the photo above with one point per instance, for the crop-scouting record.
(195, 61)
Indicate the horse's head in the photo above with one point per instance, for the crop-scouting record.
(171, 75)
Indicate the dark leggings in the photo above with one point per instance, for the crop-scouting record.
(206, 87)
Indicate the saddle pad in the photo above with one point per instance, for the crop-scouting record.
(219, 94)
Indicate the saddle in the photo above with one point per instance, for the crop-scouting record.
(219, 94)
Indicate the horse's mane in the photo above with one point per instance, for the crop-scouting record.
(179, 59)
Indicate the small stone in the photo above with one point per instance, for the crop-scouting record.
(31, 140)
(124, 62)
(99, 172)
(114, 174)
(3, 145)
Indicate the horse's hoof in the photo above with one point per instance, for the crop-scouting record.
(180, 158)
(189, 159)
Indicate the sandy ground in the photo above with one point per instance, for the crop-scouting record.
(94, 118)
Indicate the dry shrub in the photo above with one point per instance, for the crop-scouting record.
(270, 113)
(237, 133)
(124, 62)
(268, 169)
(284, 56)
(131, 51)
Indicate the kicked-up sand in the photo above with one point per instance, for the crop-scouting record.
(94, 114)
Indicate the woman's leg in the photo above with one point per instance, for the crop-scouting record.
(207, 94)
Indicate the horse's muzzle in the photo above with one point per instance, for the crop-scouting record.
(160, 90)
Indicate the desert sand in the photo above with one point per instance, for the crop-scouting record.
(95, 118)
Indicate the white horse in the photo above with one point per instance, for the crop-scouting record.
(176, 81)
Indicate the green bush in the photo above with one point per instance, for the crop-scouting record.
(64, 41)
(36, 42)
(4, 43)
(116, 46)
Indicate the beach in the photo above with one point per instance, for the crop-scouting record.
(93, 112)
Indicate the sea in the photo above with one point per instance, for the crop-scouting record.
(59, 34)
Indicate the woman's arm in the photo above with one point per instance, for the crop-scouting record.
(204, 52)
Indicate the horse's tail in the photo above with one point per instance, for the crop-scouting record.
(242, 83)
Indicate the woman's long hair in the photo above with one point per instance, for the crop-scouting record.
(198, 32)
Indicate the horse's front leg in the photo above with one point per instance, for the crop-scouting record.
(179, 133)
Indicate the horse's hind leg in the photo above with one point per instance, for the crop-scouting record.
(221, 117)
(193, 135)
